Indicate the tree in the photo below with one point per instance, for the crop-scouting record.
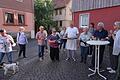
(43, 13)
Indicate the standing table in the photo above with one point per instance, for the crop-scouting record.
(97, 44)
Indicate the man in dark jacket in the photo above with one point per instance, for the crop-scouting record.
(99, 34)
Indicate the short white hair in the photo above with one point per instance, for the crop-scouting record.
(100, 24)
(41, 27)
(22, 28)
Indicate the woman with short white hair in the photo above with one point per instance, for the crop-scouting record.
(116, 47)
(84, 47)
(22, 41)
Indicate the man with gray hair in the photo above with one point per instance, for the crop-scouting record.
(99, 34)
(41, 36)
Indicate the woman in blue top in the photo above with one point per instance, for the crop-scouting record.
(22, 41)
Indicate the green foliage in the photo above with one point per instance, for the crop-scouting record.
(43, 13)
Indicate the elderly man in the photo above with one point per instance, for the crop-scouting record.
(71, 45)
(116, 48)
(41, 36)
(99, 34)
(6, 43)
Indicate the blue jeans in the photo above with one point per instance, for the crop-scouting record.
(40, 51)
(84, 53)
(9, 56)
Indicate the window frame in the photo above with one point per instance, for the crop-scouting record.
(19, 0)
(7, 12)
(61, 23)
(56, 12)
(60, 12)
(15, 18)
(18, 19)
(81, 20)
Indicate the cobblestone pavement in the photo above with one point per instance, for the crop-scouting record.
(33, 69)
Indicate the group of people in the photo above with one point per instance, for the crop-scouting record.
(7, 42)
(70, 39)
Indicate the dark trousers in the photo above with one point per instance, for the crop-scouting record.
(84, 53)
(22, 50)
(54, 53)
(102, 48)
(113, 59)
(63, 43)
(118, 69)
(91, 49)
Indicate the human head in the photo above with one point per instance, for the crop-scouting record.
(117, 25)
(64, 28)
(41, 28)
(85, 29)
(3, 32)
(53, 31)
(100, 25)
(71, 24)
(21, 29)
(111, 31)
(92, 25)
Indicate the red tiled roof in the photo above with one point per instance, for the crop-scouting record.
(60, 3)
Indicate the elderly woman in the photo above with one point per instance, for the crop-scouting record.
(22, 41)
(116, 48)
(63, 40)
(53, 41)
(84, 37)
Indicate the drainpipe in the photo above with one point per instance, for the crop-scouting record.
(33, 28)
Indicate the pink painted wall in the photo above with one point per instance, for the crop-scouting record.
(29, 20)
(106, 15)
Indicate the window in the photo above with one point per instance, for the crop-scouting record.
(21, 19)
(9, 18)
(60, 23)
(84, 20)
(56, 12)
(19, 0)
(60, 12)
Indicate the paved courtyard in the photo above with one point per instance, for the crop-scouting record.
(33, 69)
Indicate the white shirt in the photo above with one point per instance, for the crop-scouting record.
(6, 43)
(116, 47)
(62, 33)
(72, 32)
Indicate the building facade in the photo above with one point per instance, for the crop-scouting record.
(94, 11)
(62, 12)
(15, 14)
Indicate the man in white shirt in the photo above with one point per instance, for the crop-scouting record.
(6, 43)
(71, 45)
